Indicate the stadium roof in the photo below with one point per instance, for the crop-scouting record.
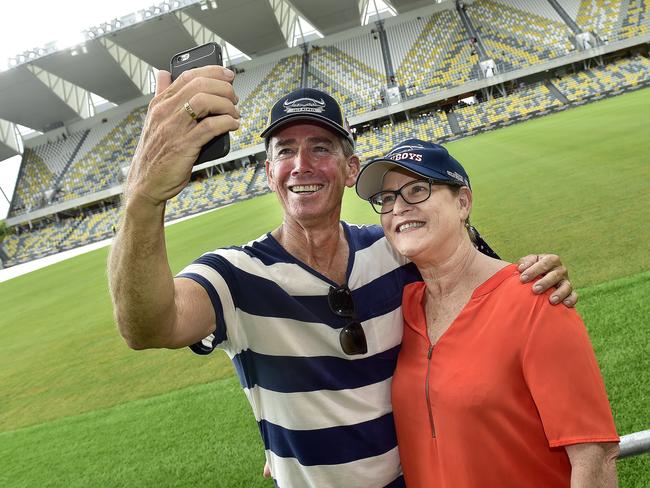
(54, 88)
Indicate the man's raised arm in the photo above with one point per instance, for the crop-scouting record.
(151, 308)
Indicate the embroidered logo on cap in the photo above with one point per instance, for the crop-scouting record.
(458, 176)
(304, 105)
(407, 155)
(402, 149)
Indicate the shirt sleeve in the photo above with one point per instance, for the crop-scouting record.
(211, 271)
(562, 374)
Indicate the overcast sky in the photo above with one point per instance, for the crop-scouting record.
(26, 25)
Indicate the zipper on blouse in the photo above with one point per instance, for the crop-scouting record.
(426, 391)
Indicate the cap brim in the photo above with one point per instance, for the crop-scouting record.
(371, 177)
(292, 118)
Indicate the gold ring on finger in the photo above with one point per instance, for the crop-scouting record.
(188, 108)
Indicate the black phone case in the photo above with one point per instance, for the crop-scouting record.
(204, 55)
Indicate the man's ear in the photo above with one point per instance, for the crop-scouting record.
(465, 202)
(269, 175)
(353, 166)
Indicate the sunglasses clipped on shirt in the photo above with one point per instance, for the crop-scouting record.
(352, 337)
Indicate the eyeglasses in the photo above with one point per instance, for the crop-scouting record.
(352, 337)
(413, 192)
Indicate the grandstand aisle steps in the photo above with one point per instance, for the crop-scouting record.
(259, 173)
(66, 236)
(469, 27)
(72, 158)
(622, 15)
(453, 123)
(329, 81)
(556, 92)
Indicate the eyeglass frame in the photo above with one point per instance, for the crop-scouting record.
(398, 192)
(353, 331)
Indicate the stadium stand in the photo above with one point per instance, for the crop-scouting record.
(283, 77)
(636, 19)
(208, 193)
(440, 57)
(376, 140)
(359, 85)
(430, 52)
(600, 17)
(515, 38)
(34, 178)
(99, 167)
(597, 82)
(520, 104)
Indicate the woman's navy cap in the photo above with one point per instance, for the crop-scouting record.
(308, 104)
(423, 158)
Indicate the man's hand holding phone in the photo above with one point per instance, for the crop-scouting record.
(172, 138)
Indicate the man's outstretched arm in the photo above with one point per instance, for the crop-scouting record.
(151, 308)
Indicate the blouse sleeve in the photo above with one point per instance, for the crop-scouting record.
(562, 373)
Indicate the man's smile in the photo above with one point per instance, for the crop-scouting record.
(301, 189)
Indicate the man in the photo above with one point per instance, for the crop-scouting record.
(309, 313)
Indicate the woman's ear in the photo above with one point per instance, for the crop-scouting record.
(465, 202)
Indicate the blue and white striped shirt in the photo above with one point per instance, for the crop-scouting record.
(325, 417)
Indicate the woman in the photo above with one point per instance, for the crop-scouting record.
(494, 387)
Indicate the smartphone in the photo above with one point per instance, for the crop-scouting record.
(204, 55)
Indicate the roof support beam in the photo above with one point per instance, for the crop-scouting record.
(9, 135)
(287, 18)
(202, 35)
(74, 96)
(363, 8)
(140, 73)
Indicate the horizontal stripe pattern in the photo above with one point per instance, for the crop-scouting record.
(290, 374)
(268, 336)
(323, 446)
(321, 409)
(270, 299)
(381, 471)
(316, 407)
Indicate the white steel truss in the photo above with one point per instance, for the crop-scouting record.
(289, 19)
(370, 8)
(363, 10)
(72, 95)
(201, 35)
(9, 135)
(140, 73)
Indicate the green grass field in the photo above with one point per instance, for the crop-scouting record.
(78, 408)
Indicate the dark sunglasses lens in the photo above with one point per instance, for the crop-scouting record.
(353, 339)
(340, 301)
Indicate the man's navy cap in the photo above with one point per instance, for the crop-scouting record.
(311, 105)
(426, 159)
